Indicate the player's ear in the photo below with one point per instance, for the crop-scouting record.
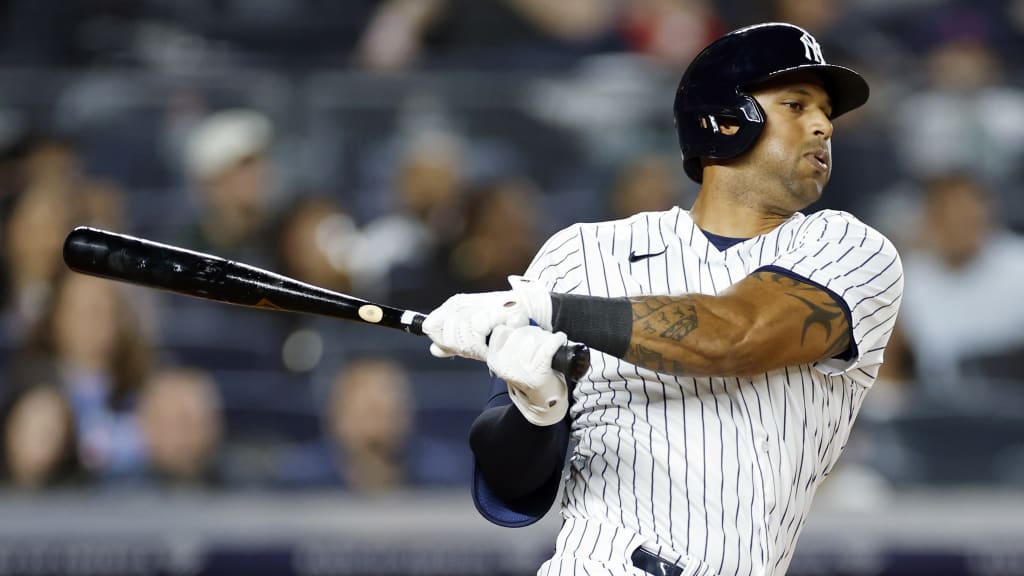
(726, 126)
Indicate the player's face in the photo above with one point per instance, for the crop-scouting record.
(795, 148)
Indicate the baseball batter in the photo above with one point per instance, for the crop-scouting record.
(733, 343)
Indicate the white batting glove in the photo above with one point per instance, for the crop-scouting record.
(522, 358)
(535, 298)
(461, 326)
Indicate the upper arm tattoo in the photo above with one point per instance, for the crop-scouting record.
(822, 310)
(819, 314)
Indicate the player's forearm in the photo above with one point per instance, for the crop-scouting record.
(692, 334)
(689, 334)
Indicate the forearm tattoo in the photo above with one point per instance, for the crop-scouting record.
(650, 358)
(665, 317)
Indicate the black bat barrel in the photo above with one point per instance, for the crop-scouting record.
(154, 265)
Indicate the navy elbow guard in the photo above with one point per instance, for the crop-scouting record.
(517, 465)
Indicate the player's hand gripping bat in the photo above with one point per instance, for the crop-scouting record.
(154, 265)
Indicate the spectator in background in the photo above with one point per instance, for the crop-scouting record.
(180, 417)
(962, 285)
(33, 237)
(102, 205)
(429, 193)
(533, 33)
(316, 240)
(51, 194)
(966, 117)
(644, 184)
(819, 17)
(185, 35)
(52, 162)
(91, 337)
(370, 419)
(14, 147)
(500, 235)
(670, 31)
(394, 37)
(37, 218)
(38, 447)
(370, 444)
(228, 156)
(834, 24)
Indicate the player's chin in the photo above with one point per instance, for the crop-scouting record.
(818, 189)
(815, 187)
(804, 195)
(804, 189)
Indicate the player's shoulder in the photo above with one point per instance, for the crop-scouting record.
(829, 216)
(570, 233)
(561, 244)
(837, 226)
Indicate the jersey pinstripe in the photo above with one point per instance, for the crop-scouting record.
(717, 472)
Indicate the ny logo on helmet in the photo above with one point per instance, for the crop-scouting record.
(812, 50)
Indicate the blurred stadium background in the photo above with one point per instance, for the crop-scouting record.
(405, 150)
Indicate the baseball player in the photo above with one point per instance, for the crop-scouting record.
(733, 343)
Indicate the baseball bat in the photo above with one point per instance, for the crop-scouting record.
(139, 261)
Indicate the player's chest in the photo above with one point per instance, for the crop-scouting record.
(676, 268)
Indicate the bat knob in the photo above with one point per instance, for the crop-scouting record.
(572, 361)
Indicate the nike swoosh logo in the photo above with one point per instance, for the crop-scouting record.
(634, 257)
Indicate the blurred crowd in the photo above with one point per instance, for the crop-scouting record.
(406, 150)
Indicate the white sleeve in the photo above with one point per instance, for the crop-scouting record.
(862, 270)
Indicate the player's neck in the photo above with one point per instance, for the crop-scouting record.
(738, 202)
(727, 215)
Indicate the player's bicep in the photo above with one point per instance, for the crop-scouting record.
(797, 321)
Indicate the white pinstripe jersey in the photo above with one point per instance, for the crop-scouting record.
(719, 472)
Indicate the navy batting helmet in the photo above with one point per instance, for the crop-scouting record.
(715, 89)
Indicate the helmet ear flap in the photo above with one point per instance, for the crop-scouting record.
(694, 168)
(707, 133)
